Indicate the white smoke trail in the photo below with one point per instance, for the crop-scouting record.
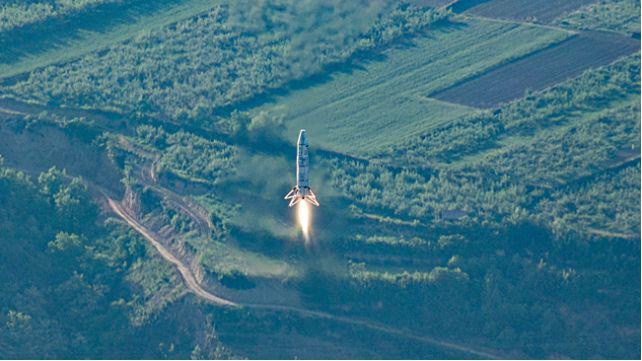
(303, 213)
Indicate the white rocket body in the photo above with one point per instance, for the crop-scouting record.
(301, 190)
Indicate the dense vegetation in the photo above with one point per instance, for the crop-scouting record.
(495, 158)
(549, 189)
(611, 15)
(222, 57)
(380, 101)
(616, 214)
(14, 14)
(61, 39)
(187, 155)
(72, 285)
(513, 231)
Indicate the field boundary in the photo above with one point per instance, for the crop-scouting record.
(435, 94)
(518, 22)
(594, 49)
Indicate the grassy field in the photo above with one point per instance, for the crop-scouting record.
(540, 70)
(372, 105)
(188, 71)
(548, 140)
(531, 10)
(60, 40)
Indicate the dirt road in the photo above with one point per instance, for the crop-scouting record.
(185, 272)
(195, 287)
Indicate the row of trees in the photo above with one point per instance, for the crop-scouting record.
(232, 53)
(549, 186)
(15, 14)
(74, 286)
(494, 165)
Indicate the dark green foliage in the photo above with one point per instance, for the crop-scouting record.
(15, 14)
(499, 163)
(603, 206)
(62, 276)
(611, 15)
(425, 196)
(212, 348)
(188, 155)
(54, 294)
(198, 158)
(231, 53)
(514, 231)
(549, 189)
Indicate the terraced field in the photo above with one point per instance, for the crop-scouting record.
(540, 70)
(374, 104)
(542, 11)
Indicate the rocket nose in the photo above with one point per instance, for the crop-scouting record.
(302, 137)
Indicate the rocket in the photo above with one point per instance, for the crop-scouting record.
(302, 191)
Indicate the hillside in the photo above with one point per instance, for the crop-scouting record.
(477, 165)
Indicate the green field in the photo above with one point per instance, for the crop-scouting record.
(189, 71)
(378, 103)
(61, 43)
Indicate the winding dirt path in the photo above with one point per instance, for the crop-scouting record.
(185, 272)
(195, 287)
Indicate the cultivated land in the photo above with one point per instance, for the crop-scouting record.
(70, 36)
(188, 71)
(541, 11)
(540, 70)
(444, 231)
(373, 104)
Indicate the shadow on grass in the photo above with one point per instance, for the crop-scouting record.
(359, 61)
(59, 32)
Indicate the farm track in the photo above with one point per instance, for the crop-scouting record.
(192, 283)
(148, 177)
(199, 291)
(186, 273)
(516, 21)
